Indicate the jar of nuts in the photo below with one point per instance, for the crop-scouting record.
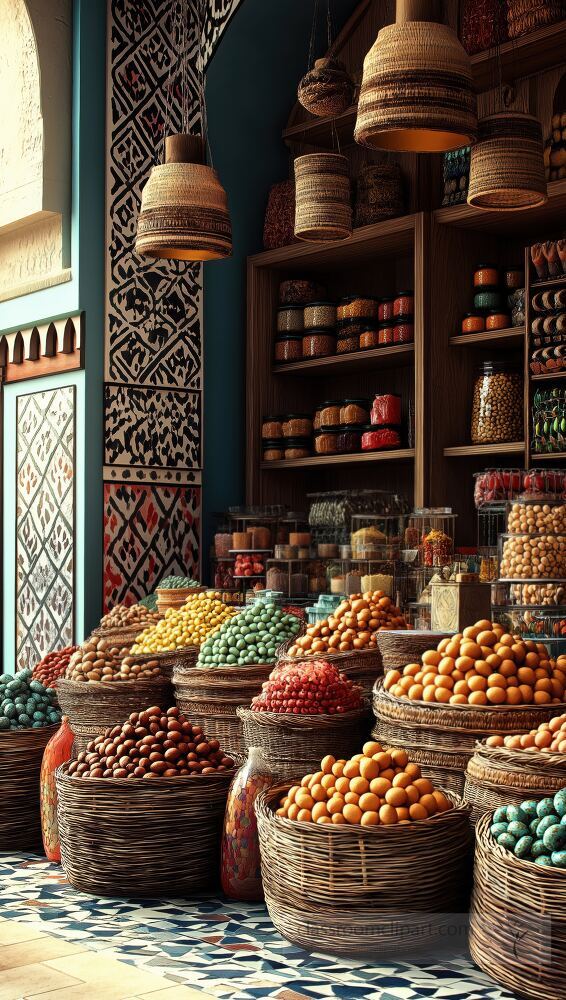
(533, 517)
(497, 405)
(532, 557)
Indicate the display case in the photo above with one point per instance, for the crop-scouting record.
(428, 538)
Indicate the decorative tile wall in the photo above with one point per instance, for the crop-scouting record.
(152, 427)
(45, 522)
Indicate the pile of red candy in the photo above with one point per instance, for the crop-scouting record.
(249, 565)
(53, 666)
(314, 687)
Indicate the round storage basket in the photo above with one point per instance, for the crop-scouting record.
(210, 698)
(496, 776)
(132, 837)
(353, 889)
(362, 666)
(294, 745)
(442, 738)
(518, 920)
(118, 636)
(93, 706)
(398, 647)
(175, 597)
(21, 752)
(182, 658)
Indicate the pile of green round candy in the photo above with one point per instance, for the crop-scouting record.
(177, 583)
(25, 703)
(534, 830)
(250, 637)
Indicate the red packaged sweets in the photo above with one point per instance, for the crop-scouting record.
(386, 410)
(403, 305)
(58, 751)
(375, 438)
(240, 865)
(403, 331)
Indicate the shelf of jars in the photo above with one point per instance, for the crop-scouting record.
(468, 450)
(380, 357)
(395, 455)
(509, 337)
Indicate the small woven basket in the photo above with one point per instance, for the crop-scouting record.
(518, 920)
(496, 776)
(294, 745)
(21, 752)
(93, 706)
(326, 89)
(525, 16)
(210, 698)
(323, 208)
(398, 647)
(348, 889)
(507, 164)
(118, 636)
(363, 666)
(379, 193)
(175, 597)
(132, 837)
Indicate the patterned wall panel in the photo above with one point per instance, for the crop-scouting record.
(149, 532)
(45, 521)
(152, 428)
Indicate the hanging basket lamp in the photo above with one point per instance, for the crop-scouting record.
(417, 93)
(507, 163)
(323, 206)
(184, 209)
(326, 89)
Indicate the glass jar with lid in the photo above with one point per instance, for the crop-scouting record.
(318, 343)
(326, 441)
(349, 439)
(290, 319)
(320, 315)
(329, 414)
(273, 451)
(299, 447)
(354, 411)
(288, 347)
(497, 404)
(271, 428)
(294, 425)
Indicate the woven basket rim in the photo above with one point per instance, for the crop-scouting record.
(379, 690)
(485, 839)
(71, 685)
(9, 734)
(288, 718)
(61, 773)
(506, 755)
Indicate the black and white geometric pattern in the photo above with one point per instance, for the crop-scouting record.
(152, 428)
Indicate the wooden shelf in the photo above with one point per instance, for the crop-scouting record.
(548, 283)
(471, 450)
(548, 376)
(379, 357)
(510, 337)
(395, 455)
(556, 456)
(522, 221)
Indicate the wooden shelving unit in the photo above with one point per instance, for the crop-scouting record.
(315, 461)
(380, 357)
(511, 337)
(548, 376)
(521, 223)
(476, 450)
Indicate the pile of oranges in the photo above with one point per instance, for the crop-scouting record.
(353, 625)
(550, 737)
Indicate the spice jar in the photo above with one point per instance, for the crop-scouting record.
(486, 276)
(403, 331)
(354, 411)
(330, 413)
(369, 337)
(289, 319)
(273, 451)
(271, 428)
(357, 307)
(437, 548)
(514, 278)
(321, 315)
(349, 439)
(488, 301)
(326, 441)
(296, 425)
(404, 305)
(374, 438)
(346, 344)
(298, 447)
(385, 333)
(289, 347)
(473, 323)
(497, 405)
(299, 291)
(318, 343)
(386, 410)
(385, 310)
(316, 417)
(497, 321)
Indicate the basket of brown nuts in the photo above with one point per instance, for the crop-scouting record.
(122, 624)
(153, 837)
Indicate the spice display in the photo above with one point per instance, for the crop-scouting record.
(530, 557)
(497, 321)
(379, 193)
(53, 666)
(534, 831)
(186, 626)
(249, 565)
(240, 864)
(344, 345)
(549, 259)
(329, 414)
(367, 542)
(403, 332)
(549, 421)
(438, 548)
(103, 660)
(252, 637)
(320, 315)
(376, 787)
(326, 441)
(314, 687)
(484, 665)
(378, 581)
(290, 319)
(299, 291)
(386, 409)
(549, 737)
(497, 405)
(357, 307)
(272, 428)
(403, 305)
(289, 347)
(319, 343)
(352, 411)
(486, 276)
(296, 425)
(369, 337)
(57, 752)
(385, 310)
(349, 439)
(151, 744)
(136, 616)
(273, 451)
(353, 625)
(531, 518)
(473, 323)
(386, 333)
(374, 438)
(25, 703)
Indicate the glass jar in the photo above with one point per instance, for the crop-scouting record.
(357, 307)
(320, 315)
(271, 428)
(489, 301)
(319, 343)
(403, 331)
(497, 321)
(514, 278)
(344, 345)
(299, 447)
(386, 410)
(404, 305)
(438, 548)
(299, 291)
(240, 862)
(316, 417)
(330, 413)
(296, 425)
(497, 404)
(326, 441)
(354, 411)
(369, 337)
(486, 276)
(385, 333)
(290, 319)
(222, 544)
(375, 438)
(273, 451)
(351, 327)
(385, 310)
(289, 347)
(473, 323)
(349, 439)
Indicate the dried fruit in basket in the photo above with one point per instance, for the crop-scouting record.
(534, 831)
(186, 626)
(314, 687)
(53, 666)
(352, 626)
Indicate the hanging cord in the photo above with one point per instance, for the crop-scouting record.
(177, 34)
(313, 36)
(199, 15)
(329, 31)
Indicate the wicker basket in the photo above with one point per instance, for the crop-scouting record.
(518, 920)
(506, 164)
(323, 201)
(442, 738)
(525, 16)
(398, 647)
(93, 707)
(210, 698)
(21, 751)
(496, 776)
(132, 837)
(118, 636)
(379, 193)
(353, 889)
(175, 597)
(294, 745)
(172, 658)
(327, 89)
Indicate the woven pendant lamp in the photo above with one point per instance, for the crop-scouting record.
(326, 89)
(507, 163)
(417, 93)
(184, 209)
(323, 208)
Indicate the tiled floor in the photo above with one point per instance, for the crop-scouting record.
(209, 946)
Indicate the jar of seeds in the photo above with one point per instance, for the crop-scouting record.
(497, 405)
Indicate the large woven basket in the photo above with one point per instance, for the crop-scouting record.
(132, 837)
(93, 706)
(398, 647)
(210, 698)
(363, 666)
(294, 745)
(525, 16)
(442, 738)
(21, 751)
(496, 776)
(183, 658)
(323, 209)
(518, 920)
(119, 636)
(506, 164)
(175, 597)
(352, 889)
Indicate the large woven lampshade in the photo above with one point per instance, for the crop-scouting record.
(507, 163)
(323, 206)
(184, 209)
(416, 93)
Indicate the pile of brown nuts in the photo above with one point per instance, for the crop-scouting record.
(97, 660)
(135, 617)
(497, 408)
(531, 518)
(534, 557)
